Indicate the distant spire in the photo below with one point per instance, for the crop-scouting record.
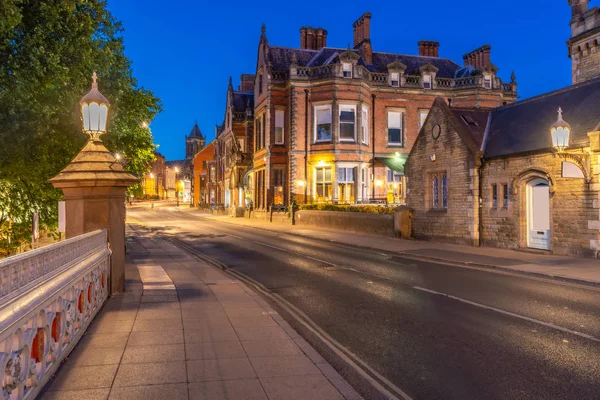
(230, 81)
(513, 77)
(263, 29)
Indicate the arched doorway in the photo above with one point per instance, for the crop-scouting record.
(538, 214)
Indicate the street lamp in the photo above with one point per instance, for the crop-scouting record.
(94, 111)
(560, 132)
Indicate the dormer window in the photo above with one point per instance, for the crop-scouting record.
(427, 82)
(347, 68)
(487, 82)
(395, 79)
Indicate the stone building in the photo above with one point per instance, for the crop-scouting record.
(335, 125)
(233, 146)
(511, 176)
(584, 44)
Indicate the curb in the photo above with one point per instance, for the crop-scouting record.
(577, 281)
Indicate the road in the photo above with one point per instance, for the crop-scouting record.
(436, 331)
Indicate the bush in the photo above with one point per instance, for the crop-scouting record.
(371, 209)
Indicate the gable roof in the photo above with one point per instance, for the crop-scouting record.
(281, 58)
(474, 122)
(525, 126)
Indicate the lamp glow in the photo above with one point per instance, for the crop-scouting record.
(94, 111)
(560, 131)
(378, 182)
(300, 183)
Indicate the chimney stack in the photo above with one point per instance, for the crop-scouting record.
(428, 48)
(312, 38)
(362, 37)
(478, 58)
(246, 83)
(578, 7)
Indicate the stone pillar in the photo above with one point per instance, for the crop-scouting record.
(94, 185)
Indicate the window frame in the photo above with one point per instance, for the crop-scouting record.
(401, 128)
(393, 174)
(392, 80)
(345, 169)
(281, 112)
(345, 70)
(505, 196)
(316, 110)
(487, 79)
(364, 125)
(427, 82)
(346, 107)
(422, 120)
(494, 195)
(438, 183)
(323, 183)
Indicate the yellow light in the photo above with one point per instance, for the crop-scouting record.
(151, 175)
(176, 169)
(378, 182)
(144, 124)
(321, 163)
(118, 156)
(300, 183)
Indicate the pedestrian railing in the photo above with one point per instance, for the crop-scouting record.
(48, 297)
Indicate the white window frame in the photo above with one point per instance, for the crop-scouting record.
(427, 82)
(365, 125)
(401, 143)
(395, 175)
(280, 124)
(487, 82)
(346, 107)
(316, 123)
(423, 113)
(345, 179)
(323, 183)
(395, 82)
(347, 70)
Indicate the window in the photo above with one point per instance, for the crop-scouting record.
(278, 177)
(345, 175)
(487, 82)
(365, 125)
(393, 176)
(347, 68)
(241, 145)
(439, 191)
(347, 123)
(505, 196)
(323, 123)
(494, 196)
(212, 174)
(395, 79)
(422, 117)
(323, 183)
(260, 83)
(395, 128)
(279, 126)
(427, 82)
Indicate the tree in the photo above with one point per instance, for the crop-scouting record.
(48, 51)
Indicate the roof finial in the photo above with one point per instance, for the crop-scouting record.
(230, 80)
(263, 30)
(559, 112)
(513, 77)
(94, 80)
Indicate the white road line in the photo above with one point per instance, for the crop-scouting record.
(535, 321)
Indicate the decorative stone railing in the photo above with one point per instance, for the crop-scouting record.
(412, 81)
(48, 298)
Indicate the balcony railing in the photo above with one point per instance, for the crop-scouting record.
(48, 298)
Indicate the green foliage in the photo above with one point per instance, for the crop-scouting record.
(48, 51)
(371, 209)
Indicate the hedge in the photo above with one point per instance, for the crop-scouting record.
(371, 209)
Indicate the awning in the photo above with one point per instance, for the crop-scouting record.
(395, 163)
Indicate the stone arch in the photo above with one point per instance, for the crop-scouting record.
(581, 163)
(530, 174)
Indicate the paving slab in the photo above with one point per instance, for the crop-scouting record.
(153, 354)
(239, 389)
(219, 369)
(151, 374)
(300, 388)
(265, 348)
(167, 336)
(89, 394)
(76, 377)
(213, 350)
(178, 391)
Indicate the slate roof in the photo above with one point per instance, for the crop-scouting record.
(241, 99)
(196, 132)
(281, 58)
(475, 122)
(525, 126)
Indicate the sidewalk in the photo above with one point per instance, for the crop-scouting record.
(187, 330)
(572, 269)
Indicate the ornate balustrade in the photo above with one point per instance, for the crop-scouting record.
(48, 298)
(444, 83)
(412, 81)
(379, 77)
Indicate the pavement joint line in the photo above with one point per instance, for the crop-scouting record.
(515, 315)
(349, 357)
(438, 260)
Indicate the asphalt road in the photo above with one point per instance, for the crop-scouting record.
(501, 336)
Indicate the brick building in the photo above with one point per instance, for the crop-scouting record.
(201, 175)
(510, 176)
(233, 145)
(335, 125)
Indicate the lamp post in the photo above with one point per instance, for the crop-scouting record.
(176, 189)
(560, 132)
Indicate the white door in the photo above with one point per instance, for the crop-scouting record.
(538, 218)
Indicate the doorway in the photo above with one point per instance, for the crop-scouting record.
(538, 214)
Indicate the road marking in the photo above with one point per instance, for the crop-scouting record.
(535, 321)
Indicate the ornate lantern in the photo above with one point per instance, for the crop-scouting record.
(560, 132)
(94, 111)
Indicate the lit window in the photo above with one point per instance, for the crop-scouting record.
(278, 177)
(323, 183)
(422, 117)
(345, 174)
(395, 79)
(347, 70)
(323, 123)
(395, 128)
(505, 196)
(494, 196)
(347, 123)
(365, 125)
(279, 126)
(427, 82)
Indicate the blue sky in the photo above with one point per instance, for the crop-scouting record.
(185, 50)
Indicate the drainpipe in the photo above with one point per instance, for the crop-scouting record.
(480, 190)
(373, 144)
(305, 146)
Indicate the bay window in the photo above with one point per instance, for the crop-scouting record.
(345, 181)
(323, 183)
(347, 123)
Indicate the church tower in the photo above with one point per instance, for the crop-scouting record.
(583, 45)
(194, 142)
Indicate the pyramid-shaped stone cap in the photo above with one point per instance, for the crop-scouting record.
(93, 166)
